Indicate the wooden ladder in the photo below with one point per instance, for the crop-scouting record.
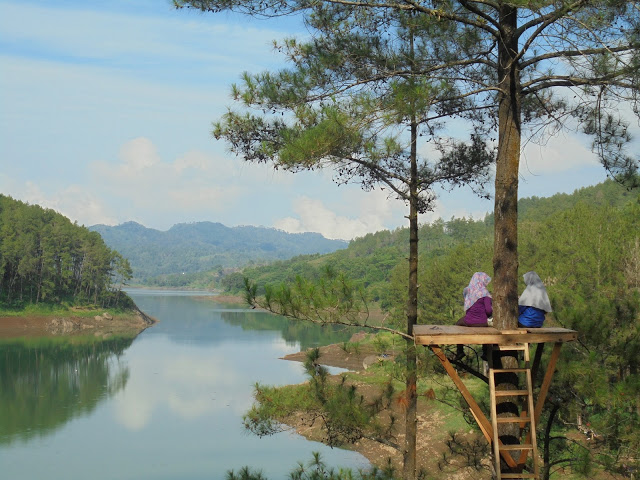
(526, 417)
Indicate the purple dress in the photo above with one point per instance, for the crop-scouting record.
(478, 313)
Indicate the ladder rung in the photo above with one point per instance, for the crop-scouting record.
(508, 348)
(509, 393)
(518, 475)
(513, 419)
(509, 370)
(517, 446)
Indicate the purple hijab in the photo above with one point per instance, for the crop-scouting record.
(477, 289)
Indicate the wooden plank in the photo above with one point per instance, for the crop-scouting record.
(511, 393)
(494, 419)
(477, 412)
(457, 335)
(532, 429)
(483, 423)
(546, 383)
(521, 420)
(517, 446)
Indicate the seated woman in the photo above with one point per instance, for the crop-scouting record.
(477, 302)
(477, 306)
(534, 302)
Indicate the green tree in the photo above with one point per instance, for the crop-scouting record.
(46, 258)
(316, 469)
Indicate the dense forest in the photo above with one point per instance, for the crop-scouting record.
(377, 258)
(586, 249)
(195, 254)
(44, 258)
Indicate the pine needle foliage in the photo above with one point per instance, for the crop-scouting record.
(344, 415)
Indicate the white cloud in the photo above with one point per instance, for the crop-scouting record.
(192, 160)
(74, 202)
(145, 179)
(313, 216)
(194, 181)
(156, 37)
(138, 155)
(215, 197)
(561, 153)
(364, 212)
(189, 385)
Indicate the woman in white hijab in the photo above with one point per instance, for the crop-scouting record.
(534, 302)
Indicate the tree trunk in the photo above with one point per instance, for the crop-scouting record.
(411, 427)
(505, 257)
(546, 467)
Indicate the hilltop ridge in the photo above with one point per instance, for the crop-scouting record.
(190, 248)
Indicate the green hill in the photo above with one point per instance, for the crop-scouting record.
(378, 262)
(178, 255)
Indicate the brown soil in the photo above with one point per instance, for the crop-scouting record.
(101, 325)
(432, 432)
(233, 299)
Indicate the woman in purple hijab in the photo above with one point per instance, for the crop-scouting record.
(477, 306)
(477, 302)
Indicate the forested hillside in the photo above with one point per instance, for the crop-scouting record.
(378, 260)
(44, 258)
(180, 255)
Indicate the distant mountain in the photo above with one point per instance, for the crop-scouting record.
(202, 246)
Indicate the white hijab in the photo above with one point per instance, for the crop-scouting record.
(535, 295)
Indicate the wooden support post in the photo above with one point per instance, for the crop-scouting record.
(546, 383)
(536, 361)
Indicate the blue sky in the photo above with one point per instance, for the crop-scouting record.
(106, 111)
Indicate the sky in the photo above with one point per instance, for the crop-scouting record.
(105, 116)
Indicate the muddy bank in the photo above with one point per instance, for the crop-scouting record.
(336, 356)
(100, 324)
(225, 298)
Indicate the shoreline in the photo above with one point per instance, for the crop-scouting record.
(432, 421)
(100, 324)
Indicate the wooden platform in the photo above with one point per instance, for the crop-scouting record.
(456, 335)
(435, 336)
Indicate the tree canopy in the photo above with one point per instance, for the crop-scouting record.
(46, 258)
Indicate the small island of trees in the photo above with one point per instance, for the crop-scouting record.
(47, 259)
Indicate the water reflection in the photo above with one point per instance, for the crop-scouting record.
(301, 333)
(46, 382)
(167, 406)
(184, 323)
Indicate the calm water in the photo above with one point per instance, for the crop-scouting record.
(168, 405)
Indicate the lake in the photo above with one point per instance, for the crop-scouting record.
(167, 405)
